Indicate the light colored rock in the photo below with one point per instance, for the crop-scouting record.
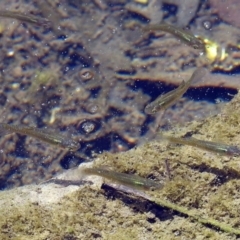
(227, 10)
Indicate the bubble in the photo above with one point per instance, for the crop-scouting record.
(10, 53)
(91, 108)
(86, 74)
(88, 126)
(207, 25)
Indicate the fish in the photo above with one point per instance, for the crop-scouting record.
(219, 148)
(184, 35)
(25, 18)
(130, 180)
(43, 135)
(169, 99)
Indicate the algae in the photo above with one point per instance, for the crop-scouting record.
(44, 82)
(203, 193)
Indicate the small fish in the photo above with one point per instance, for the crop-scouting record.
(25, 18)
(169, 99)
(43, 135)
(123, 178)
(219, 148)
(184, 35)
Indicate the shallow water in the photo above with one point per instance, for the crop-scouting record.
(76, 77)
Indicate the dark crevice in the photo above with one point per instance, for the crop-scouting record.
(136, 16)
(222, 175)
(233, 71)
(139, 204)
(211, 94)
(169, 10)
(20, 150)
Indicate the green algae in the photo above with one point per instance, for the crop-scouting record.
(43, 83)
(205, 189)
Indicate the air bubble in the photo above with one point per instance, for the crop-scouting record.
(88, 127)
(86, 74)
(10, 53)
(207, 25)
(91, 108)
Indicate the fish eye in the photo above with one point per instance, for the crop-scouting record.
(152, 189)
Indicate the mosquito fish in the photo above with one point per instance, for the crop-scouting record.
(169, 99)
(123, 178)
(43, 135)
(184, 35)
(219, 148)
(25, 18)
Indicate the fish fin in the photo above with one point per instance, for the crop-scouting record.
(198, 75)
(182, 84)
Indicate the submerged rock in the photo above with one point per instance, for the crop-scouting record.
(204, 183)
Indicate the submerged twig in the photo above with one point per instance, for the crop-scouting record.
(167, 169)
(206, 221)
(190, 213)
